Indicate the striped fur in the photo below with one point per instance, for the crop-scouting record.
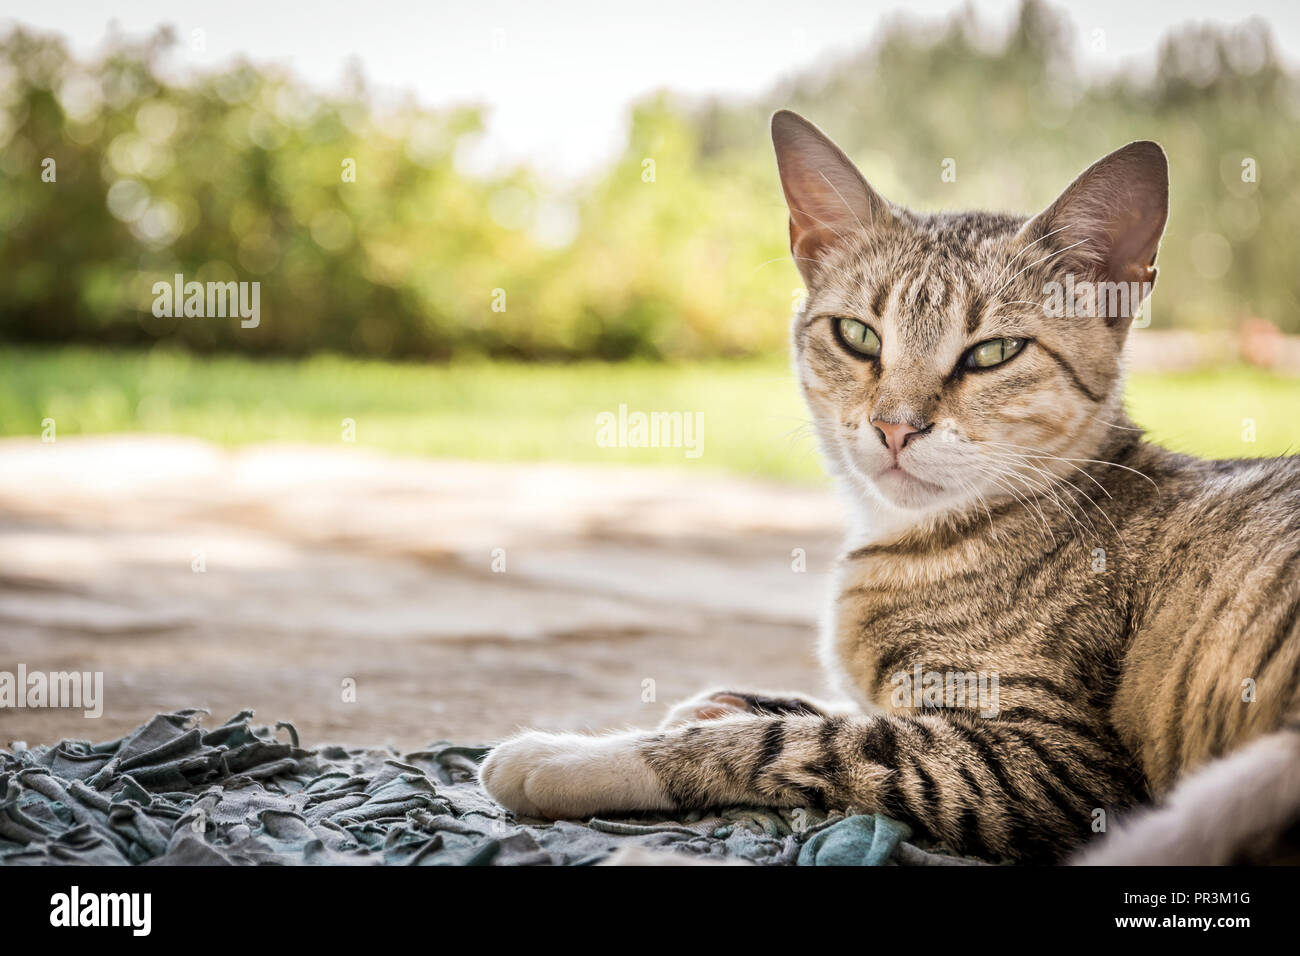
(1138, 608)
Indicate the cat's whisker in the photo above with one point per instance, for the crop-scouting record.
(970, 486)
(1012, 260)
(1054, 479)
(788, 444)
(1087, 497)
(997, 315)
(994, 474)
(763, 265)
(989, 476)
(1128, 428)
(839, 235)
(1050, 476)
(1044, 259)
(819, 262)
(851, 210)
(798, 433)
(855, 280)
(1045, 487)
(1044, 526)
(1048, 479)
(1065, 460)
(1094, 461)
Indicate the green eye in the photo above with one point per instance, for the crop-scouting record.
(993, 352)
(859, 337)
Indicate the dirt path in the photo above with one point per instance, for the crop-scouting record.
(462, 599)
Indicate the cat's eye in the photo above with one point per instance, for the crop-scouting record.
(858, 337)
(993, 352)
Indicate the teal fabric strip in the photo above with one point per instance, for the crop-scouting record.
(865, 840)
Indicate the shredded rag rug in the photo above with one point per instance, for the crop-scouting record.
(172, 792)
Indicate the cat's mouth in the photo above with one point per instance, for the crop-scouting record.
(899, 474)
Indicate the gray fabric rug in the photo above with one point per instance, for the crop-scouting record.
(175, 793)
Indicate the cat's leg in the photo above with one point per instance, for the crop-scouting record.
(714, 704)
(1024, 789)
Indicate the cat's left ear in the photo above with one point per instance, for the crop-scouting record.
(1110, 218)
(830, 202)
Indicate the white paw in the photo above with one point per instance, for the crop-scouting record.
(570, 776)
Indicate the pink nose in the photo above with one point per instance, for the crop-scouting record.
(894, 435)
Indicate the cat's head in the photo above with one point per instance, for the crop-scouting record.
(954, 357)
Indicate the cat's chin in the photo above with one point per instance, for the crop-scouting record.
(891, 493)
(902, 489)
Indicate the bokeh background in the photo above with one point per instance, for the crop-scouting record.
(507, 263)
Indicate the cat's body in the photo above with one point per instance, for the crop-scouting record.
(1123, 656)
(1136, 610)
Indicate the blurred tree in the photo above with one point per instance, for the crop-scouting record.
(677, 249)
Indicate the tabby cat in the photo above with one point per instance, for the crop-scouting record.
(1135, 609)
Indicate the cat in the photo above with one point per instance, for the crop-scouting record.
(1136, 609)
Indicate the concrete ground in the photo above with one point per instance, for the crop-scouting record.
(372, 599)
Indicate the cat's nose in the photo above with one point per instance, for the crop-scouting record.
(895, 435)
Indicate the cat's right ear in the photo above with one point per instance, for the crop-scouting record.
(828, 198)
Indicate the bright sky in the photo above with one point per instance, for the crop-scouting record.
(558, 75)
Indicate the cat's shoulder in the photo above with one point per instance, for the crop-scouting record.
(1208, 494)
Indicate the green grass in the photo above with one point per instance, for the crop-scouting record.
(752, 417)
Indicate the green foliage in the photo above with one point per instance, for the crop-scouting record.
(680, 244)
(241, 176)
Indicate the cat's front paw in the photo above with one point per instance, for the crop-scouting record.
(570, 776)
